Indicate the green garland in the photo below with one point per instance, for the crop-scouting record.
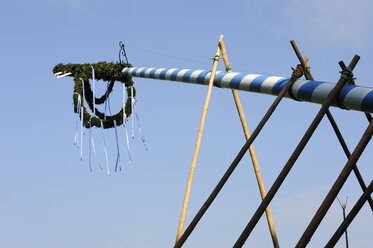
(109, 72)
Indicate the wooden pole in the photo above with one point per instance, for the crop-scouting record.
(234, 164)
(198, 143)
(308, 75)
(351, 215)
(254, 160)
(343, 206)
(294, 156)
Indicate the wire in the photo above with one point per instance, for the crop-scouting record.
(193, 61)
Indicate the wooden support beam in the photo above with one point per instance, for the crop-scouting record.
(308, 75)
(234, 164)
(351, 215)
(198, 143)
(294, 156)
(338, 184)
(254, 159)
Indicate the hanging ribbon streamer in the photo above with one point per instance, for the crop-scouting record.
(118, 154)
(81, 134)
(63, 75)
(124, 123)
(141, 134)
(128, 143)
(81, 124)
(106, 98)
(95, 154)
(76, 141)
(105, 150)
(94, 91)
(132, 103)
(90, 141)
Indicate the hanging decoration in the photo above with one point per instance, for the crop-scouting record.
(84, 91)
(109, 72)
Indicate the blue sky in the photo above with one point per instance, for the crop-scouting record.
(50, 198)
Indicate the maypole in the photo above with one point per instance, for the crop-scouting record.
(344, 95)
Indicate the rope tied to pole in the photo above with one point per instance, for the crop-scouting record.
(297, 73)
(348, 76)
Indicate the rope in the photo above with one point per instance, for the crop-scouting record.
(297, 73)
(348, 76)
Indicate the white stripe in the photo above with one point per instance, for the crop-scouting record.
(157, 72)
(296, 86)
(268, 84)
(206, 80)
(180, 74)
(246, 81)
(146, 74)
(226, 80)
(355, 97)
(64, 75)
(194, 75)
(321, 92)
(169, 72)
(131, 70)
(139, 71)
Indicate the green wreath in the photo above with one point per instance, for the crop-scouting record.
(109, 72)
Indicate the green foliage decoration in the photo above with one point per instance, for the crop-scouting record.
(109, 72)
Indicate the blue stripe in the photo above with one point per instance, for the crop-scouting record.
(152, 72)
(201, 76)
(162, 75)
(306, 90)
(218, 77)
(134, 71)
(279, 85)
(236, 80)
(187, 75)
(174, 74)
(345, 91)
(367, 103)
(142, 73)
(257, 83)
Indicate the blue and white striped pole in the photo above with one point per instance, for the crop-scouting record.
(352, 97)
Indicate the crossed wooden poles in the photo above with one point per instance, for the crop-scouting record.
(346, 78)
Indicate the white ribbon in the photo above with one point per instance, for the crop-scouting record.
(90, 165)
(63, 75)
(124, 123)
(76, 142)
(106, 98)
(105, 150)
(132, 103)
(92, 142)
(82, 123)
(93, 90)
(81, 133)
(118, 154)
(141, 134)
